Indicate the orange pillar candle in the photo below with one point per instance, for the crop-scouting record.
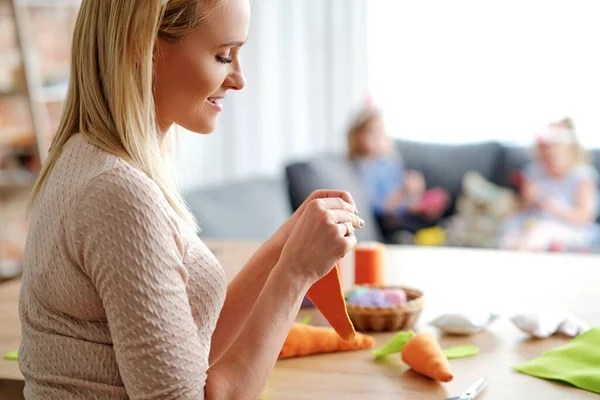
(368, 263)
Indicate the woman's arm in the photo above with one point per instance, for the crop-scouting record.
(242, 372)
(582, 212)
(322, 235)
(244, 289)
(125, 240)
(242, 294)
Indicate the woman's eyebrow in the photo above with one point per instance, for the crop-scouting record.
(235, 43)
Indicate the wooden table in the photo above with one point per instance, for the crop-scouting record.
(451, 279)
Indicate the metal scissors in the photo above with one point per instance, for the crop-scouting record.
(472, 391)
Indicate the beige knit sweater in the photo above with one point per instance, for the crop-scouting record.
(119, 299)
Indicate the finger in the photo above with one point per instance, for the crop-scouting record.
(341, 216)
(327, 193)
(337, 203)
(351, 242)
(346, 229)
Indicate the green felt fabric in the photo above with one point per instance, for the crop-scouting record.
(12, 356)
(395, 345)
(576, 363)
(464, 351)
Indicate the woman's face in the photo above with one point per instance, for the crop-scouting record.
(193, 76)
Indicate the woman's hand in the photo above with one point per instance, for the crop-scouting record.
(283, 233)
(323, 234)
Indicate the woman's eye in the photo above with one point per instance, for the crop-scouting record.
(224, 60)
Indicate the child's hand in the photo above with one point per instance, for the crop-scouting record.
(552, 206)
(414, 183)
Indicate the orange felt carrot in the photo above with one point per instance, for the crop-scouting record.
(326, 294)
(303, 340)
(424, 354)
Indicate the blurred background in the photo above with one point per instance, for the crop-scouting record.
(462, 86)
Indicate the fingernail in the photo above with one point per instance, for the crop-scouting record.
(355, 211)
(362, 222)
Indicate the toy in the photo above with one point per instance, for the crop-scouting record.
(304, 339)
(434, 236)
(424, 355)
(326, 294)
(545, 323)
(464, 323)
(434, 201)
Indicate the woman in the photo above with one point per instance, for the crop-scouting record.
(120, 299)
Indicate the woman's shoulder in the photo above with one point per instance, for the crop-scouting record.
(100, 175)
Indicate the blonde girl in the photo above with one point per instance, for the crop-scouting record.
(559, 195)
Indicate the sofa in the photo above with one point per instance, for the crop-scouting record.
(254, 209)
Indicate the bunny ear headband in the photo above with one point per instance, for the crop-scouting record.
(555, 134)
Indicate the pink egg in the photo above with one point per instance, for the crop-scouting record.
(396, 297)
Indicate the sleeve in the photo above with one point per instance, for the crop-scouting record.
(127, 243)
(586, 173)
(532, 171)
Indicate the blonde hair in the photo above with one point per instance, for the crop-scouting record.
(110, 97)
(359, 124)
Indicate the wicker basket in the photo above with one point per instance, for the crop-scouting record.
(379, 319)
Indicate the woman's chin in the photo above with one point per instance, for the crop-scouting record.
(204, 127)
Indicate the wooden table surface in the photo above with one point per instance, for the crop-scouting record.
(452, 279)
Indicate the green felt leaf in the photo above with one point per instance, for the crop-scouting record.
(464, 351)
(12, 356)
(395, 345)
(306, 320)
(576, 363)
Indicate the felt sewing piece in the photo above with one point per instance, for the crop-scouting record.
(463, 351)
(424, 355)
(467, 323)
(543, 324)
(395, 345)
(576, 363)
(326, 294)
(12, 356)
(304, 340)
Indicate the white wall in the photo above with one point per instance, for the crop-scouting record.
(306, 71)
(470, 70)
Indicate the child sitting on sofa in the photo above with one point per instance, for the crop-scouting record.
(398, 196)
(559, 196)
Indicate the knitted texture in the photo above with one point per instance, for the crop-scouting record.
(119, 298)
